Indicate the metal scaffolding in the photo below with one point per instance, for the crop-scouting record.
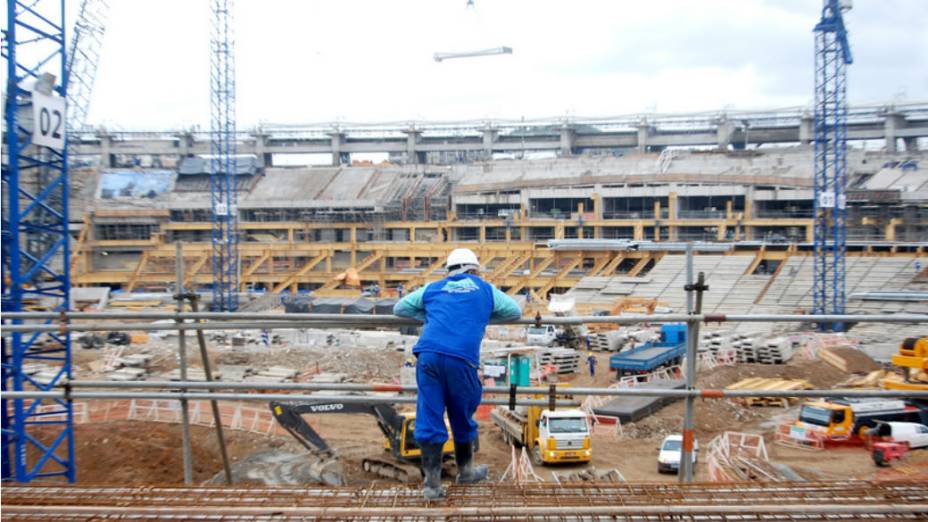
(224, 169)
(832, 55)
(35, 236)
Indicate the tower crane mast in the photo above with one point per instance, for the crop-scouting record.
(223, 167)
(832, 56)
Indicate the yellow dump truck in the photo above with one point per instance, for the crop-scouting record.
(550, 436)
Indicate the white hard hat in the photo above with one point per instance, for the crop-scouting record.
(460, 258)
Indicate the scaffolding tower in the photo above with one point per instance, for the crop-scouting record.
(38, 439)
(832, 55)
(223, 182)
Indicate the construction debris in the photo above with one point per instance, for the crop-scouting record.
(589, 474)
(848, 359)
(761, 384)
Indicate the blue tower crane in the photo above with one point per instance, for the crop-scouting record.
(832, 56)
(35, 239)
(222, 180)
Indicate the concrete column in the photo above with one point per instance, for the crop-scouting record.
(644, 130)
(568, 137)
(489, 138)
(724, 132)
(597, 203)
(559, 231)
(483, 234)
(338, 138)
(107, 158)
(657, 210)
(185, 144)
(412, 138)
(728, 209)
(638, 233)
(892, 122)
(260, 146)
(806, 128)
(722, 232)
(672, 206)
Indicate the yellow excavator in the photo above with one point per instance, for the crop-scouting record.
(397, 428)
(913, 360)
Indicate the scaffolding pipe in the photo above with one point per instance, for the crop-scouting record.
(261, 397)
(392, 320)
(182, 355)
(214, 404)
(502, 390)
(282, 324)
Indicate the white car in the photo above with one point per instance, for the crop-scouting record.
(668, 460)
(912, 433)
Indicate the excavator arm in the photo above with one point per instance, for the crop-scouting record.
(290, 416)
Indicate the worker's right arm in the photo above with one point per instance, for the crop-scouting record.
(411, 305)
(505, 308)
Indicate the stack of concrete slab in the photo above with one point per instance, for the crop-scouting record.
(193, 374)
(135, 360)
(235, 372)
(273, 374)
(633, 408)
(748, 348)
(565, 359)
(329, 378)
(41, 373)
(608, 341)
(128, 374)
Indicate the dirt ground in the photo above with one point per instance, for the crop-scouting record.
(137, 453)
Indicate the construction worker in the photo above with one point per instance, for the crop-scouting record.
(591, 361)
(456, 311)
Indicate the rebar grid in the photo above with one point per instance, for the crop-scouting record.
(900, 500)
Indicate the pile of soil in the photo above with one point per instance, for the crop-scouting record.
(857, 361)
(138, 453)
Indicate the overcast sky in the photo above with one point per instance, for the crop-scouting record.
(371, 60)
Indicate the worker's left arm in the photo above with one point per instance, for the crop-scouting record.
(411, 306)
(505, 308)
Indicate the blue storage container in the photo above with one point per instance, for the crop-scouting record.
(673, 333)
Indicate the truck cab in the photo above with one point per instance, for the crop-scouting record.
(563, 436)
(841, 419)
(543, 335)
(549, 436)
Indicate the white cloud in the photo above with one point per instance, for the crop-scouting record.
(369, 60)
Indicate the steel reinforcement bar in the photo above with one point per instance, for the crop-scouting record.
(741, 501)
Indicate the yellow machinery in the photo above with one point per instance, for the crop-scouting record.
(550, 436)
(397, 428)
(913, 360)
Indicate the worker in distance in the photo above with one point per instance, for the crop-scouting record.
(456, 311)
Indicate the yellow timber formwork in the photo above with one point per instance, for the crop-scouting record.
(294, 262)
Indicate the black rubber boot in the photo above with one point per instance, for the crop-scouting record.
(468, 472)
(431, 471)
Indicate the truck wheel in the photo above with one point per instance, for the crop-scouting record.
(536, 456)
(879, 459)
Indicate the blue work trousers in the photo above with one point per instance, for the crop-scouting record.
(446, 382)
